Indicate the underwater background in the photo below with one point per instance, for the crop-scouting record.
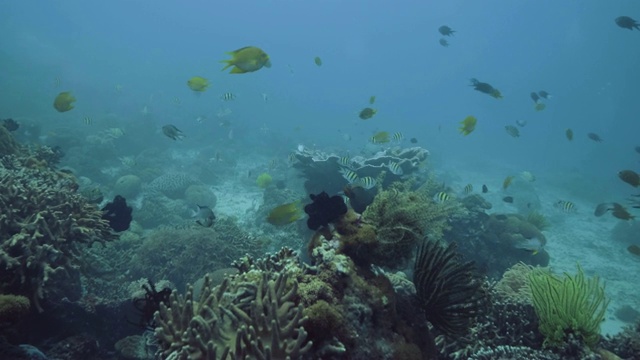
(374, 102)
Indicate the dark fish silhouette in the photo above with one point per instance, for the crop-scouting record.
(445, 30)
(626, 22)
(118, 214)
(535, 97)
(485, 189)
(172, 132)
(595, 137)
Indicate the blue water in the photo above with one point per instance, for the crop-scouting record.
(573, 49)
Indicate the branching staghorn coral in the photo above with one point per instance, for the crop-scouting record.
(43, 224)
(571, 304)
(240, 319)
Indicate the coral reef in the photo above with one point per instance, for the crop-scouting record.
(172, 184)
(625, 344)
(240, 319)
(322, 170)
(402, 218)
(572, 304)
(200, 195)
(44, 224)
(12, 308)
(8, 145)
(182, 254)
(157, 210)
(10, 124)
(492, 240)
(514, 284)
(128, 186)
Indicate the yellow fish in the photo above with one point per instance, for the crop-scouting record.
(318, 61)
(507, 181)
(468, 125)
(247, 59)
(64, 101)
(285, 214)
(198, 83)
(380, 137)
(367, 113)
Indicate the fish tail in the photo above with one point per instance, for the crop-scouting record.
(229, 64)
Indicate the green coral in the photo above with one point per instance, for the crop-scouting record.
(571, 304)
(264, 180)
(402, 218)
(13, 307)
(538, 220)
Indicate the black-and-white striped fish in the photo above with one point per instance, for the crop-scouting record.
(344, 161)
(349, 175)
(395, 168)
(398, 136)
(227, 96)
(566, 206)
(367, 182)
(441, 197)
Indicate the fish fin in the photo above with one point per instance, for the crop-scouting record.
(237, 70)
(229, 64)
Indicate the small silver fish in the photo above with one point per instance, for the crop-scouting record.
(204, 216)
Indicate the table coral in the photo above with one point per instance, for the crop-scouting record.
(322, 170)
